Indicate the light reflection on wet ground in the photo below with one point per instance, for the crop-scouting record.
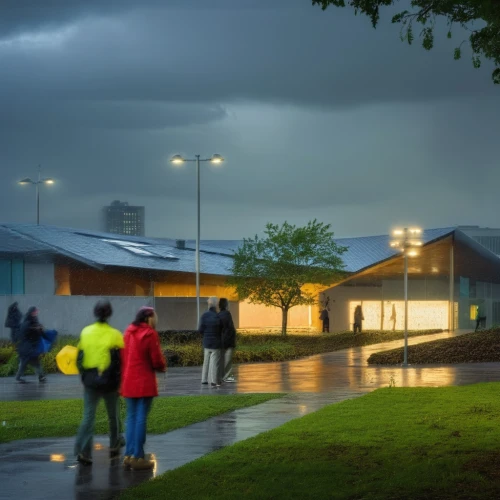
(39, 469)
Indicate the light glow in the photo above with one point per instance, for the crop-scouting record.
(177, 159)
(48, 181)
(422, 314)
(217, 159)
(57, 458)
(398, 232)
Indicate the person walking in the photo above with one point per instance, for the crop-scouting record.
(99, 361)
(211, 329)
(393, 317)
(480, 316)
(325, 318)
(358, 319)
(30, 335)
(141, 358)
(228, 341)
(13, 321)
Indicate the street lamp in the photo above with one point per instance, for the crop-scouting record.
(406, 240)
(179, 160)
(46, 180)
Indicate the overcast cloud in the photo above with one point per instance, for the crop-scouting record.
(318, 116)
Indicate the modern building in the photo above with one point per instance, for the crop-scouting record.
(122, 218)
(64, 271)
(488, 237)
(449, 278)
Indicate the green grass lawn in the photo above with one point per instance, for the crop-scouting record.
(54, 418)
(395, 443)
(470, 348)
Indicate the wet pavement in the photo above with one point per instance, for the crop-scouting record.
(41, 468)
(345, 370)
(45, 468)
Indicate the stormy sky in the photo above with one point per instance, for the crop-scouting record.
(317, 114)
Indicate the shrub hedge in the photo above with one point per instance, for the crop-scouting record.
(184, 347)
(480, 347)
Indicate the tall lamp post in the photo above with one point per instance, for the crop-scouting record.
(46, 180)
(179, 160)
(406, 240)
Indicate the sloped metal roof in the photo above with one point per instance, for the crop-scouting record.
(12, 242)
(90, 247)
(367, 251)
(163, 255)
(362, 252)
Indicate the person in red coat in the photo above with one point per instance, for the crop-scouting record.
(141, 359)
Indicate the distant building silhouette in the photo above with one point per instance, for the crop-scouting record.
(122, 218)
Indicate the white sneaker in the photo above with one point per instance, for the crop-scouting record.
(230, 379)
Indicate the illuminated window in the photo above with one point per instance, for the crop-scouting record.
(473, 311)
(422, 315)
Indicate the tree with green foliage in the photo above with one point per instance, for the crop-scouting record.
(286, 267)
(481, 18)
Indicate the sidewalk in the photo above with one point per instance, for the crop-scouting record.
(41, 468)
(345, 369)
(45, 468)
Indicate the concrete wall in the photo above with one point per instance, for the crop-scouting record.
(68, 315)
(179, 313)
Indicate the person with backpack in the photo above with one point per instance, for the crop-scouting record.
(141, 359)
(228, 341)
(99, 363)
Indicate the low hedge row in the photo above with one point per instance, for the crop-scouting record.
(184, 348)
(480, 347)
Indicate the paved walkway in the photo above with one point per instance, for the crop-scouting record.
(39, 469)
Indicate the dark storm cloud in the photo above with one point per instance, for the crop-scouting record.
(317, 114)
(291, 54)
(18, 16)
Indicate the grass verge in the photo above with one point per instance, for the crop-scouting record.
(423, 443)
(57, 418)
(477, 347)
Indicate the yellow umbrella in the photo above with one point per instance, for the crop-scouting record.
(66, 360)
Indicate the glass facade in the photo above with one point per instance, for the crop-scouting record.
(11, 277)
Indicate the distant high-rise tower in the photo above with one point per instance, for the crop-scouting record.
(122, 218)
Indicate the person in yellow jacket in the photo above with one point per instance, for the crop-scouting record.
(100, 368)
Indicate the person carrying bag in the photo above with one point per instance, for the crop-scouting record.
(99, 363)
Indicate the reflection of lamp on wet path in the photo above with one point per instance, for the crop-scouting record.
(179, 160)
(407, 241)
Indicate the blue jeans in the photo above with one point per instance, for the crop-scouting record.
(135, 426)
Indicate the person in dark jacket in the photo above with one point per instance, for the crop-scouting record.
(13, 321)
(30, 335)
(358, 319)
(211, 329)
(228, 341)
(325, 319)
